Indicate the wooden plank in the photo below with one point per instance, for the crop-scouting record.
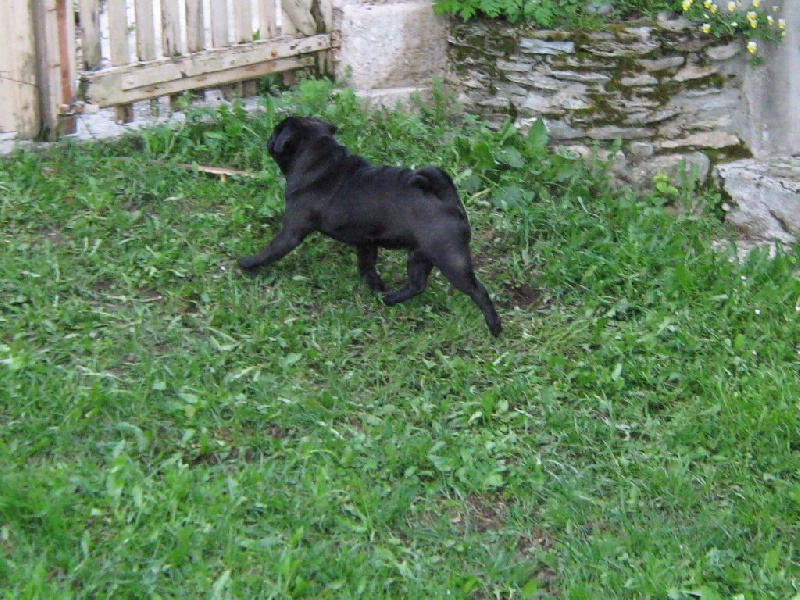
(105, 90)
(195, 26)
(267, 19)
(145, 30)
(215, 61)
(90, 33)
(219, 23)
(208, 69)
(19, 106)
(242, 21)
(171, 28)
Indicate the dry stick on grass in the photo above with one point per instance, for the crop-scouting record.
(221, 172)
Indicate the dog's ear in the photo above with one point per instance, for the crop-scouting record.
(281, 140)
(331, 127)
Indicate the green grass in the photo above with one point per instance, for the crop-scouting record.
(170, 428)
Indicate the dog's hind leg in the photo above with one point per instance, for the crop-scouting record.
(419, 267)
(457, 268)
(284, 242)
(367, 259)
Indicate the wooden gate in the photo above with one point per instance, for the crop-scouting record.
(131, 50)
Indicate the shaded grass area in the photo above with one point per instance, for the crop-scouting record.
(171, 428)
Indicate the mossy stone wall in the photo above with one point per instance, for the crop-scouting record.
(673, 96)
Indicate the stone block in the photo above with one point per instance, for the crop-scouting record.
(581, 76)
(725, 52)
(693, 73)
(765, 197)
(612, 132)
(717, 140)
(675, 166)
(666, 63)
(539, 46)
(641, 80)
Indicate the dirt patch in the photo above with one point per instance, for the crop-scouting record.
(526, 296)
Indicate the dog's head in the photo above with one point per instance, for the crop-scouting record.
(294, 134)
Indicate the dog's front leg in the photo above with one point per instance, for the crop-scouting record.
(286, 241)
(367, 260)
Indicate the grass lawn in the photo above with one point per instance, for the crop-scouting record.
(170, 428)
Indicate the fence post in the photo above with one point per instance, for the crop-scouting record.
(19, 105)
(55, 32)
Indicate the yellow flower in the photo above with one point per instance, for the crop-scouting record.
(713, 8)
(687, 4)
(756, 3)
(731, 6)
(752, 47)
(781, 24)
(770, 20)
(706, 28)
(752, 18)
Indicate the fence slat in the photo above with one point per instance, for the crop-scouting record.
(49, 67)
(19, 108)
(267, 19)
(219, 23)
(118, 32)
(195, 26)
(243, 21)
(171, 28)
(65, 11)
(145, 30)
(90, 33)
(119, 48)
(297, 19)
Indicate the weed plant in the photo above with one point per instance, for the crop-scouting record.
(170, 428)
(567, 14)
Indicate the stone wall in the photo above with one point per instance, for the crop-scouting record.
(672, 96)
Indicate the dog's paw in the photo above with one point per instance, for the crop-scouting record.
(495, 328)
(375, 284)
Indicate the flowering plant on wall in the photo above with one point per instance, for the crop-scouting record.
(731, 19)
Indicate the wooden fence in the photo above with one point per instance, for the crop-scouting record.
(131, 50)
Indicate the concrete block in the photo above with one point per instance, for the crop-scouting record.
(391, 45)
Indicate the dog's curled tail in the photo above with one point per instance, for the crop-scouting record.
(437, 182)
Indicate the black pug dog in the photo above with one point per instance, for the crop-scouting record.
(346, 198)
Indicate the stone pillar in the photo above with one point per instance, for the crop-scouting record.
(391, 48)
(772, 91)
